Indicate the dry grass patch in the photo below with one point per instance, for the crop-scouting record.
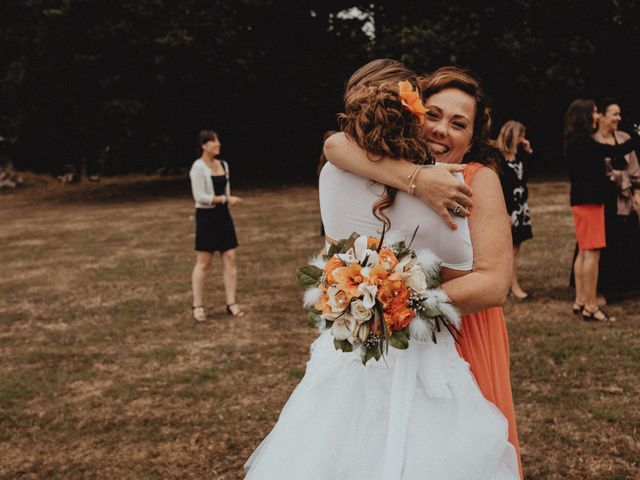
(104, 375)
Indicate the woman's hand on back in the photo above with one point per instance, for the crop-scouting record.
(436, 186)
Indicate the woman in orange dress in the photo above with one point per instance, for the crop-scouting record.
(485, 346)
(457, 127)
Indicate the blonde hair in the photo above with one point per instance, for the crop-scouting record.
(375, 119)
(509, 137)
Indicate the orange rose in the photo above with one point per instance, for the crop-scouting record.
(348, 278)
(322, 304)
(388, 258)
(411, 100)
(329, 268)
(399, 316)
(397, 312)
(391, 288)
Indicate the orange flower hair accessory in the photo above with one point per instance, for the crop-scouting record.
(411, 100)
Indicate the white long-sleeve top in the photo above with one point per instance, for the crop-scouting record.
(202, 185)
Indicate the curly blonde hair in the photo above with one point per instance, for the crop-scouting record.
(375, 119)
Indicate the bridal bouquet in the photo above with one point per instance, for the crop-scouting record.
(374, 296)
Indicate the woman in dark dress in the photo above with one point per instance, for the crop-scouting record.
(214, 226)
(620, 260)
(513, 143)
(589, 186)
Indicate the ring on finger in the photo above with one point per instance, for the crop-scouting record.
(457, 210)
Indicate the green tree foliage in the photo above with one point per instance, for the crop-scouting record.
(125, 86)
(533, 56)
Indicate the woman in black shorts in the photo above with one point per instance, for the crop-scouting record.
(214, 226)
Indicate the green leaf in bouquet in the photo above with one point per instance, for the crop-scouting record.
(343, 345)
(430, 311)
(402, 253)
(453, 331)
(308, 275)
(384, 231)
(434, 281)
(313, 318)
(413, 237)
(335, 248)
(350, 242)
(399, 340)
(385, 337)
(368, 355)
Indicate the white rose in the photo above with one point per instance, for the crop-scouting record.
(343, 327)
(361, 333)
(360, 312)
(338, 300)
(416, 280)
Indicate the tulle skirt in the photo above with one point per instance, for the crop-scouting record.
(417, 414)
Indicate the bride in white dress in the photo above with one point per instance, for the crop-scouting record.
(416, 414)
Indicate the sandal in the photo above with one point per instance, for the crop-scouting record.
(577, 308)
(590, 316)
(199, 315)
(237, 313)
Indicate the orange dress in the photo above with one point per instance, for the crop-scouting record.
(485, 346)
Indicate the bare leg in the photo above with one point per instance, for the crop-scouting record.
(590, 278)
(578, 273)
(230, 278)
(516, 289)
(199, 274)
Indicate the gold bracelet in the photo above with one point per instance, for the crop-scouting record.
(412, 178)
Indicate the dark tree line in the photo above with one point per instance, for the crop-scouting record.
(120, 86)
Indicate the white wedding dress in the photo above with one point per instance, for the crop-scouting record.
(417, 414)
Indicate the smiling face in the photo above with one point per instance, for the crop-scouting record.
(610, 119)
(449, 128)
(212, 147)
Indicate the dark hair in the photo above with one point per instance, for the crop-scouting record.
(578, 121)
(605, 103)
(205, 135)
(376, 120)
(462, 79)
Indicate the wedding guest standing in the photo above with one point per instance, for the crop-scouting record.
(215, 231)
(587, 172)
(513, 145)
(620, 261)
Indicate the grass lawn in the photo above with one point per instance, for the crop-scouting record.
(103, 374)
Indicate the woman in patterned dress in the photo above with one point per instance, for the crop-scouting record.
(513, 143)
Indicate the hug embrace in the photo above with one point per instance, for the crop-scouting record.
(389, 393)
